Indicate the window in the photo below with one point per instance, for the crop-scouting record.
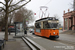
(53, 25)
(46, 25)
(38, 30)
(38, 25)
(50, 25)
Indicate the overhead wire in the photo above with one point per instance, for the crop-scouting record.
(48, 2)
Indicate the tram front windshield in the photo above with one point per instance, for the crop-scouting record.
(53, 25)
(50, 25)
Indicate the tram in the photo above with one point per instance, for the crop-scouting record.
(47, 27)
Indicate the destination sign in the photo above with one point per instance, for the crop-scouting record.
(53, 21)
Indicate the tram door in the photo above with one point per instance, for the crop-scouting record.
(45, 26)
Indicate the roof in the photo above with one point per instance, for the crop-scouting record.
(47, 18)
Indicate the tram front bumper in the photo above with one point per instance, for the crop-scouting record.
(54, 36)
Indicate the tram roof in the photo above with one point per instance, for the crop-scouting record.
(47, 18)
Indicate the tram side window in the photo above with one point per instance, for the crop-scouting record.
(38, 25)
(46, 24)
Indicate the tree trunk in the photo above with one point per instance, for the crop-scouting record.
(6, 22)
(6, 27)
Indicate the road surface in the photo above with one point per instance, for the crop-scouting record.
(65, 42)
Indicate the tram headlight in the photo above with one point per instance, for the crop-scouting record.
(53, 32)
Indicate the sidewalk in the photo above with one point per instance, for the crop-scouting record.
(14, 43)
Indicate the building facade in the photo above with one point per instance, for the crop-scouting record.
(69, 20)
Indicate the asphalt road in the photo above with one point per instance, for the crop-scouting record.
(67, 38)
(65, 42)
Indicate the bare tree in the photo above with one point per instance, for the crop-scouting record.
(12, 14)
(73, 5)
(2, 19)
(56, 16)
(8, 4)
(24, 15)
(10, 17)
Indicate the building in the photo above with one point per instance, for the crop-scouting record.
(69, 20)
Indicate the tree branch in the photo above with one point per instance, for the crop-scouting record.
(2, 3)
(14, 4)
(19, 7)
(10, 2)
(2, 9)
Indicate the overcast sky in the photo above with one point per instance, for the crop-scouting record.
(54, 7)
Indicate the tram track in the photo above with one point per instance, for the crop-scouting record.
(32, 45)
